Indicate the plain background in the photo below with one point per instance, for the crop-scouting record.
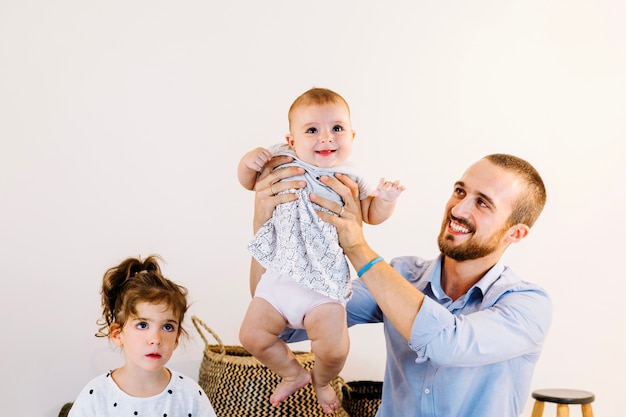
(122, 122)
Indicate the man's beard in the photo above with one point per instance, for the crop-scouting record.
(473, 248)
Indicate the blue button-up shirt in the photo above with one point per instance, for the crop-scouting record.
(470, 357)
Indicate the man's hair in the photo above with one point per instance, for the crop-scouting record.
(530, 203)
(316, 97)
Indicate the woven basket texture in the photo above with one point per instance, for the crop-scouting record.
(362, 398)
(238, 385)
(65, 410)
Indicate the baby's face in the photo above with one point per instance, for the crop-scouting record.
(321, 135)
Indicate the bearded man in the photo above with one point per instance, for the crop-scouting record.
(463, 331)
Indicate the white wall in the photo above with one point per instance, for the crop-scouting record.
(121, 124)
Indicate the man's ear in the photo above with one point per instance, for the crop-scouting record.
(517, 232)
(115, 334)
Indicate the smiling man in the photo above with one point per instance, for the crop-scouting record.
(463, 331)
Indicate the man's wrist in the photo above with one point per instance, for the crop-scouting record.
(368, 265)
(360, 256)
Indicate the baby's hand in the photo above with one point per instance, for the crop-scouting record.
(389, 191)
(256, 159)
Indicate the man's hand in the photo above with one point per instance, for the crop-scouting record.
(268, 188)
(348, 218)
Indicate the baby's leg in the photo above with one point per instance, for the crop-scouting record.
(259, 335)
(328, 331)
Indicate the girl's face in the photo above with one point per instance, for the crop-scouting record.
(149, 338)
(321, 135)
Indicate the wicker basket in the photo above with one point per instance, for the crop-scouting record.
(65, 410)
(362, 398)
(238, 385)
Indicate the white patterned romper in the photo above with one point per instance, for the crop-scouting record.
(297, 243)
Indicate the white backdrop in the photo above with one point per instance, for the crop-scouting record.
(121, 125)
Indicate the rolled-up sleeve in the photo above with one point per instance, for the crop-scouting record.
(513, 323)
(429, 325)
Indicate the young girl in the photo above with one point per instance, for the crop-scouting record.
(142, 313)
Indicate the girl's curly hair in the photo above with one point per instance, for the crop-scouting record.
(135, 281)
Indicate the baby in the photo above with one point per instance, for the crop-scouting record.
(307, 280)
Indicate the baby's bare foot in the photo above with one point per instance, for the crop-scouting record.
(288, 386)
(327, 398)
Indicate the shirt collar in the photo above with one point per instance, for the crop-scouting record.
(434, 278)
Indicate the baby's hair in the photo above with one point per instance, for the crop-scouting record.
(316, 97)
(135, 281)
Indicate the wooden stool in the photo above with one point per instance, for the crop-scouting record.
(562, 398)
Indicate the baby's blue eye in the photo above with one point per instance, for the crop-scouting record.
(311, 130)
(337, 128)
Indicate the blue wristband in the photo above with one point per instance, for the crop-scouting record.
(368, 266)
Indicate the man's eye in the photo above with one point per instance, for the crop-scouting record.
(311, 130)
(337, 128)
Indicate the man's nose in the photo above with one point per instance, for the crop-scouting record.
(462, 208)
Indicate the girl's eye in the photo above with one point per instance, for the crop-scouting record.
(337, 128)
(169, 327)
(311, 130)
(142, 325)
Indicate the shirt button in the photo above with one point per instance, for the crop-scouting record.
(427, 391)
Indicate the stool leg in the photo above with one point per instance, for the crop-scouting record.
(562, 410)
(538, 409)
(587, 410)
